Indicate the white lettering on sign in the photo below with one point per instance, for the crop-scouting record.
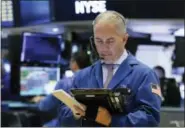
(82, 7)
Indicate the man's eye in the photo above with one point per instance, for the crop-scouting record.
(111, 42)
(99, 42)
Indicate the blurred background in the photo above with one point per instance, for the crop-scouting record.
(38, 38)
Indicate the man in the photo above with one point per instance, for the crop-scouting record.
(5, 84)
(110, 38)
(169, 88)
(160, 72)
(182, 90)
(79, 60)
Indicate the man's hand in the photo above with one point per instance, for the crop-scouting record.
(79, 112)
(103, 116)
(37, 99)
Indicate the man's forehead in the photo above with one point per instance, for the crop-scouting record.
(108, 38)
(105, 25)
(105, 29)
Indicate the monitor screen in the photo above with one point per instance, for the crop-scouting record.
(41, 48)
(33, 12)
(179, 52)
(7, 19)
(38, 80)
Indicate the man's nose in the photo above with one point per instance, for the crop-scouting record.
(104, 51)
(104, 48)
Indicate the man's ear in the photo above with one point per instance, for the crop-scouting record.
(76, 66)
(125, 37)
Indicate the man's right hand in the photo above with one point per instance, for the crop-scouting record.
(37, 99)
(79, 111)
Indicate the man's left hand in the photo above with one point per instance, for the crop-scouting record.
(103, 116)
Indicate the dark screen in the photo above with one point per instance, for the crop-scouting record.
(180, 51)
(34, 12)
(65, 11)
(41, 48)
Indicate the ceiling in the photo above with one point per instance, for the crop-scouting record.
(149, 26)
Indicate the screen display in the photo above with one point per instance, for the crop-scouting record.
(80, 10)
(34, 12)
(38, 80)
(41, 48)
(7, 19)
(180, 52)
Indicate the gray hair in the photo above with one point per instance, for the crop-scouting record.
(112, 17)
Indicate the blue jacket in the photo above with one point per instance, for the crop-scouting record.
(50, 103)
(144, 106)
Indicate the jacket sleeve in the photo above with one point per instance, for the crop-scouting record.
(50, 102)
(147, 111)
(66, 117)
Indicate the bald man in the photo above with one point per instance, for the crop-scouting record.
(110, 38)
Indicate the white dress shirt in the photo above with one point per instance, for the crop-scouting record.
(118, 62)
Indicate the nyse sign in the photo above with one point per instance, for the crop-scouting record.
(87, 7)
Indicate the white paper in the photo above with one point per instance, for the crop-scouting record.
(67, 99)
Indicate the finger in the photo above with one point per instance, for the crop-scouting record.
(80, 111)
(77, 108)
(83, 106)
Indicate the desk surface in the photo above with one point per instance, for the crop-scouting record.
(173, 109)
(18, 104)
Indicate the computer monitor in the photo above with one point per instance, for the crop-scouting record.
(7, 13)
(39, 47)
(179, 52)
(38, 80)
(34, 12)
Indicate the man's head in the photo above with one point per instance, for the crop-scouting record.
(79, 60)
(159, 71)
(110, 35)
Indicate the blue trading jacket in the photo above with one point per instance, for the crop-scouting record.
(50, 103)
(143, 108)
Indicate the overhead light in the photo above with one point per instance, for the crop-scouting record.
(151, 29)
(88, 52)
(74, 48)
(179, 32)
(55, 29)
(69, 73)
(7, 67)
(163, 38)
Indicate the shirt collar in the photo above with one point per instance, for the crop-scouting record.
(122, 57)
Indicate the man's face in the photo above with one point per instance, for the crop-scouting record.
(159, 73)
(73, 65)
(109, 42)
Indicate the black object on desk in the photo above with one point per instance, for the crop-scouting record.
(171, 92)
(24, 114)
(18, 105)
